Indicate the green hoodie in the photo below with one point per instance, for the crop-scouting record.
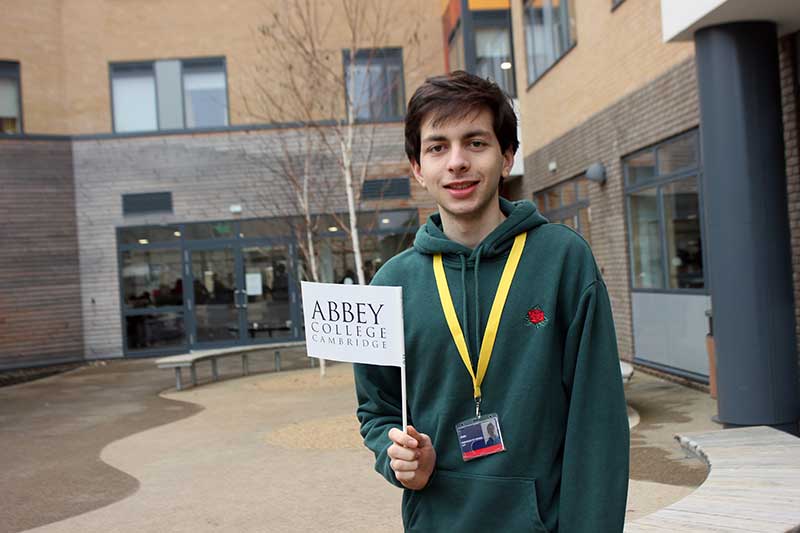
(554, 380)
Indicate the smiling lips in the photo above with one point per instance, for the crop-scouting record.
(461, 189)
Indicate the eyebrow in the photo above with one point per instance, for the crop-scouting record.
(468, 135)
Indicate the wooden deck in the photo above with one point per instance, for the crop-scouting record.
(753, 485)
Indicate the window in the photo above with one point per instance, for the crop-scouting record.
(10, 115)
(204, 94)
(386, 188)
(455, 50)
(549, 33)
(493, 49)
(568, 203)
(143, 203)
(663, 200)
(169, 95)
(375, 86)
(134, 95)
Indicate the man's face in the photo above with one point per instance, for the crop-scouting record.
(460, 164)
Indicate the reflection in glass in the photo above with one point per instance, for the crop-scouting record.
(265, 227)
(149, 235)
(568, 196)
(456, 50)
(549, 32)
(205, 95)
(152, 278)
(492, 49)
(160, 330)
(214, 286)
(683, 235)
(553, 198)
(210, 230)
(641, 167)
(583, 189)
(678, 154)
(646, 242)
(267, 279)
(585, 223)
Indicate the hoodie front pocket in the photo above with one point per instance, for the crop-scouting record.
(455, 501)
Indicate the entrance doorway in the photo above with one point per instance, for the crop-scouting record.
(239, 294)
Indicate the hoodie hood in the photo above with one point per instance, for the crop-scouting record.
(521, 216)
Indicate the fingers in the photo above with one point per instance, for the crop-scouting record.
(404, 466)
(421, 438)
(402, 439)
(401, 453)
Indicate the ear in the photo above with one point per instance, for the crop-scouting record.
(417, 170)
(508, 162)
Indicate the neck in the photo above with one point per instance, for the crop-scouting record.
(470, 231)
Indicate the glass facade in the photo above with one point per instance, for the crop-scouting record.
(10, 115)
(568, 203)
(169, 94)
(375, 84)
(549, 33)
(236, 282)
(664, 215)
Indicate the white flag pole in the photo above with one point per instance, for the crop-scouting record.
(403, 394)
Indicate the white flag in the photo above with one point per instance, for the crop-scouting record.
(354, 323)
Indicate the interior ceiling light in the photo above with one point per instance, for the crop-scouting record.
(505, 65)
(333, 228)
(144, 241)
(385, 221)
(177, 233)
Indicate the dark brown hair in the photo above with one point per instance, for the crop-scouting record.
(455, 96)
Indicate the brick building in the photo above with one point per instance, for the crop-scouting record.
(666, 133)
(145, 202)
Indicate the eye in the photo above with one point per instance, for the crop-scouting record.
(476, 143)
(436, 148)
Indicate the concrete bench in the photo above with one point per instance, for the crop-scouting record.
(753, 485)
(190, 360)
(627, 371)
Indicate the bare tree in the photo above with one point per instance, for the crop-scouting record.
(300, 80)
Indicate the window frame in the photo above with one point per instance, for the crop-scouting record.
(659, 182)
(565, 16)
(495, 19)
(151, 64)
(572, 209)
(382, 56)
(13, 70)
(205, 61)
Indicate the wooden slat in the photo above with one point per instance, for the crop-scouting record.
(753, 485)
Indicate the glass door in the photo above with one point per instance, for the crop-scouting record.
(267, 292)
(216, 300)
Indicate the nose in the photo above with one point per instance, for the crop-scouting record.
(458, 163)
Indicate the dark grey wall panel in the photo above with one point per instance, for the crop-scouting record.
(40, 313)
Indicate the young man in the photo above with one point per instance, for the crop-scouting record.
(508, 323)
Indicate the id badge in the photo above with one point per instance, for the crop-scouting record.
(478, 437)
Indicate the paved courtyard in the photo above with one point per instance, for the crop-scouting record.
(98, 449)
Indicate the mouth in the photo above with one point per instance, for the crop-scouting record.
(460, 185)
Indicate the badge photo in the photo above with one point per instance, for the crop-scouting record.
(479, 437)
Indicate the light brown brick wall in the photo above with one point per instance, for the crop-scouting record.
(65, 49)
(791, 127)
(32, 37)
(662, 108)
(616, 53)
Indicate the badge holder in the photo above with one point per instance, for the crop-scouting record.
(479, 436)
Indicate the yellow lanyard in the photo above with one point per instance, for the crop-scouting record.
(492, 325)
